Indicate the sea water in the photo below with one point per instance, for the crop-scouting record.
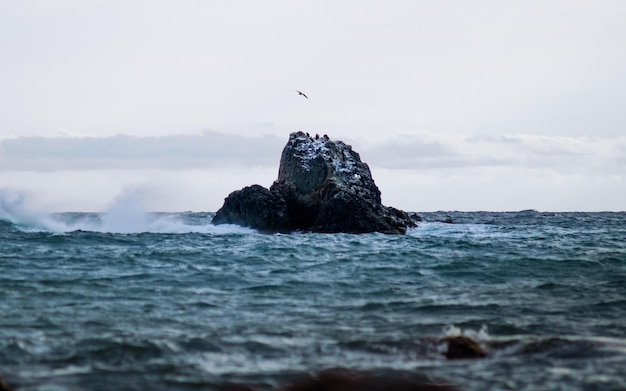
(146, 301)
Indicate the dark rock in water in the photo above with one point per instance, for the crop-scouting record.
(236, 387)
(4, 386)
(255, 207)
(322, 186)
(342, 379)
(463, 347)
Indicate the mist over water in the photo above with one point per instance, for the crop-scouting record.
(14, 208)
(127, 214)
(137, 300)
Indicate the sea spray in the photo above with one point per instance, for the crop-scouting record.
(126, 214)
(453, 331)
(15, 208)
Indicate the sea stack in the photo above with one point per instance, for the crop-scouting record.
(322, 186)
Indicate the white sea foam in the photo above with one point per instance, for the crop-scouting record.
(126, 215)
(14, 208)
(481, 335)
(451, 331)
(148, 222)
(439, 229)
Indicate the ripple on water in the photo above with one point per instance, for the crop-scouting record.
(89, 309)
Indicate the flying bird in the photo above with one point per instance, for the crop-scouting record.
(302, 93)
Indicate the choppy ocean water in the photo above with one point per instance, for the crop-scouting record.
(136, 301)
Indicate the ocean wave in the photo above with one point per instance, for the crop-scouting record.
(14, 209)
(158, 223)
(458, 230)
(125, 216)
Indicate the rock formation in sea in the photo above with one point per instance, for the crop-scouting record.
(462, 346)
(4, 386)
(343, 379)
(322, 186)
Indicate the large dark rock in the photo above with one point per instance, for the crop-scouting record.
(4, 386)
(343, 379)
(256, 207)
(461, 347)
(322, 186)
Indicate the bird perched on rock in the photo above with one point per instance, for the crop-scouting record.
(302, 93)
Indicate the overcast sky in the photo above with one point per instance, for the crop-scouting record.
(455, 105)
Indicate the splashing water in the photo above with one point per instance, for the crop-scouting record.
(14, 208)
(126, 215)
(481, 335)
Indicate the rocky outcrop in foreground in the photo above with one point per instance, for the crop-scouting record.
(343, 379)
(322, 186)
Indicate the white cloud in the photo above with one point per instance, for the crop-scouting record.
(410, 151)
(209, 149)
(155, 190)
(500, 189)
(414, 172)
(582, 155)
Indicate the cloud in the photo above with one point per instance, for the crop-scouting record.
(500, 189)
(214, 150)
(158, 190)
(564, 154)
(210, 149)
(417, 172)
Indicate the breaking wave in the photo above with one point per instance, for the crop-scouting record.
(126, 215)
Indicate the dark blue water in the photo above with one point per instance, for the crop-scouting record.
(167, 301)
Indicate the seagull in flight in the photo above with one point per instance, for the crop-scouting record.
(302, 93)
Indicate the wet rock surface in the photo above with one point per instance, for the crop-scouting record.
(4, 386)
(343, 379)
(322, 186)
(256, 207)
(463, 347)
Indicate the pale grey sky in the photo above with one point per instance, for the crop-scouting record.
(489, 104)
